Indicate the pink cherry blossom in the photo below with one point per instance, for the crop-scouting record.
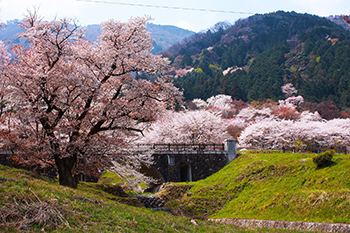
(76, 102)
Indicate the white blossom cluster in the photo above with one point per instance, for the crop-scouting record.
(309, 130)
(198, 126)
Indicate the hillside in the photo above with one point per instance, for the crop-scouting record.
(253, 58)
(272, 186)
(32, 204)
(28, 204)
(167, 35)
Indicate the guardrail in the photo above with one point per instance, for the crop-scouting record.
(182, 147)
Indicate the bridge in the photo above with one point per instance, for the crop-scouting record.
(188, 162)
(173, 162)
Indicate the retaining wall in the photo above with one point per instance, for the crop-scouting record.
(289, 225)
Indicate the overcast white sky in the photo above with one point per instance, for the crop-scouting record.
(94, 12)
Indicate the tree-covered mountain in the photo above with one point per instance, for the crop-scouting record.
(10, 30)
(253, 58)
(164, 35)
(167, 35)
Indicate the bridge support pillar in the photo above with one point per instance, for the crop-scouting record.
(230, 147)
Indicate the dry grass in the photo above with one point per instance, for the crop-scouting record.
(26, 211)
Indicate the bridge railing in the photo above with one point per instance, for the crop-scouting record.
(183, 147)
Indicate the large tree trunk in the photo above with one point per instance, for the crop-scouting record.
(65, 168)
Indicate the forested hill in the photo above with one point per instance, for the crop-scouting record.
(253, 58)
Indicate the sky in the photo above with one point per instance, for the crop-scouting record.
(96, 11)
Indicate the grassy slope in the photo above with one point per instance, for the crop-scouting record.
(49, 207)
(273, 186)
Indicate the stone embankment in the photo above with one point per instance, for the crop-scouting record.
(151, 201)
(289, 225)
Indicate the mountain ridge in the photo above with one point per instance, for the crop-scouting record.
(163, 35)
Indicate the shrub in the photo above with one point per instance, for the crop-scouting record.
(324, 159)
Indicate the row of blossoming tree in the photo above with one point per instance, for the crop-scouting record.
(75, 105)
(284, 127)
(279, 126)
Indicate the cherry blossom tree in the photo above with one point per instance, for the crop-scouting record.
(222, 104)
(78, 102)
(266, 134)
(191, 127)
(292, 101)
(251, 115)
(219, 100)
(227, 108)
(284, 112)
(284, 127)
(236, 126)
(308, 132)
(5, 95)
(289, 90)
(308, 116)
(200, 104)
(286, 109)
(4, 54)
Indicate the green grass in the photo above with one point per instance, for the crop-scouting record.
(29, 204)
(273, 186)
(108, 177)
(254, 186)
